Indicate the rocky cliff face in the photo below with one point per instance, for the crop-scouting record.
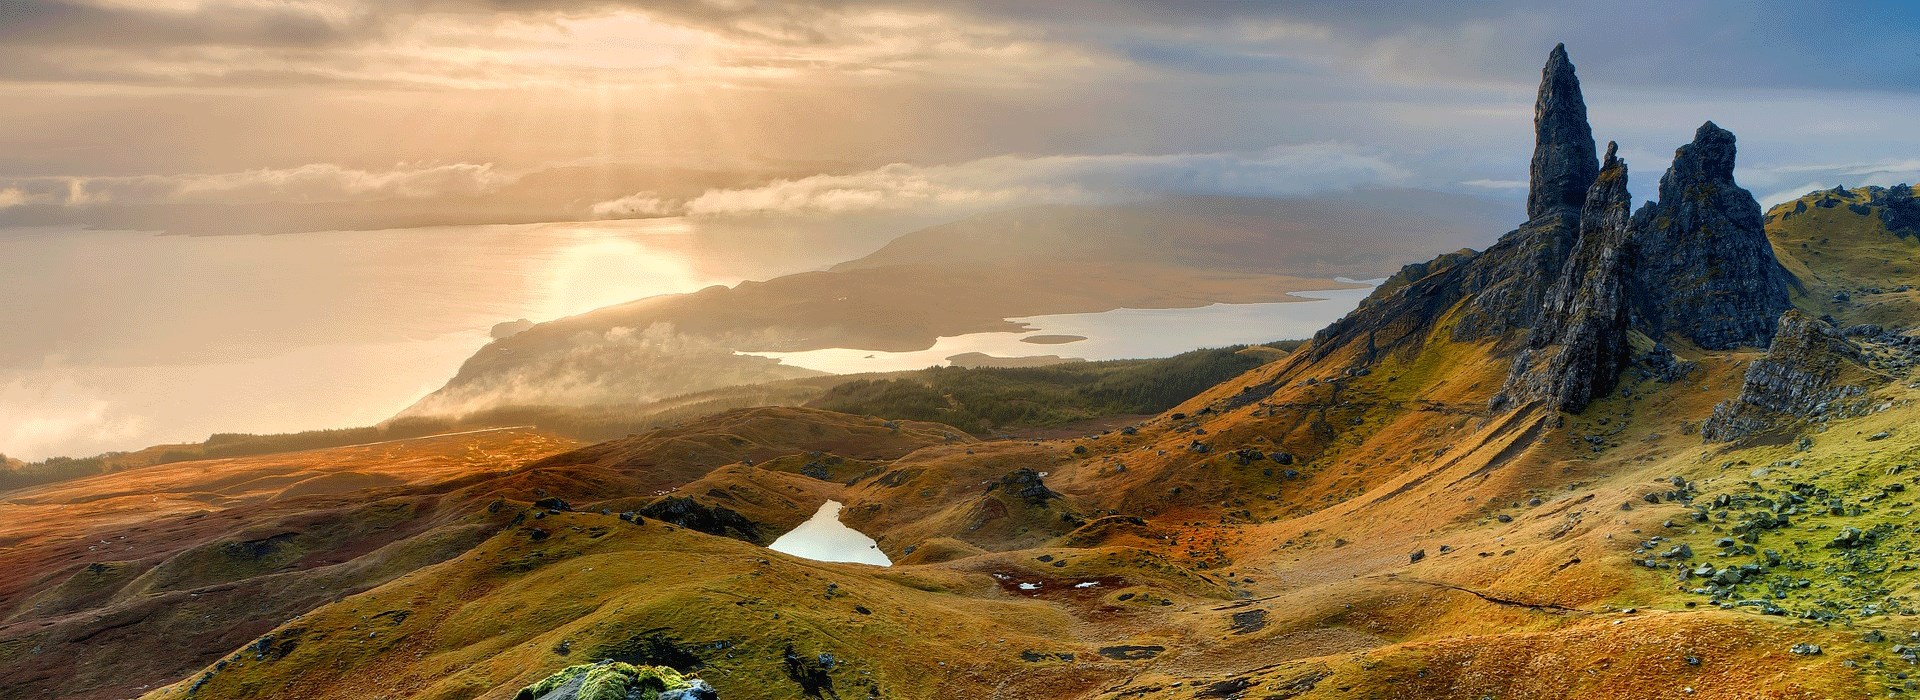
(1577, 351)
(1706, 271)
(1800, 379)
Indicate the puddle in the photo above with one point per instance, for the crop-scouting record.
(824, 538)
(1033, 585)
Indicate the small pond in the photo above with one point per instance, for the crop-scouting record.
(824, 538)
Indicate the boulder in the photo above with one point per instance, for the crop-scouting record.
(1027, 485)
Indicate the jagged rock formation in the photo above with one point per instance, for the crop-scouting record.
(1583, 272)
(1706, 269)
(1511, 283)
(1577, 352)
(1801, 377)
(1563, 166)
(1506, 285)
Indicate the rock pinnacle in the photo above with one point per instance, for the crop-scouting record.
(1564, 165)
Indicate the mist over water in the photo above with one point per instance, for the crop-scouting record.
(118, 340)
(1111, 335)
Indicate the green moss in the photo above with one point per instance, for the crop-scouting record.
(1820, 529)
(608, 680)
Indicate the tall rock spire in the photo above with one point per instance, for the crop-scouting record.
(1563, 160)
(1706, 270)
(1576, 352)
(1511, 281)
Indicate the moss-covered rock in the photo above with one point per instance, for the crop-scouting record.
(612, 680)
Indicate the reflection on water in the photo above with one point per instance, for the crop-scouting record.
(1111, 335)
(824, 538)
(117, 340)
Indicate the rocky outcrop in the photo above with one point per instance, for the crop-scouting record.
(1706, 270)
(1563, 166)
(1577, 351)
(1508, 283)
(612, 679)
(1414, 272)
(710, 519)
(1801, 378)
(1027, 485)
(1900, 211)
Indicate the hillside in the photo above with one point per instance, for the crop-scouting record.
(1855, 254)
(1618, 453)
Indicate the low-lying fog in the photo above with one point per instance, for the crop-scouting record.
(119, 340)
(1109, 335)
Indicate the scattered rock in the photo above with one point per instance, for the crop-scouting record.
(710, 519)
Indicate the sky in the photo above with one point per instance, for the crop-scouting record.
(264, 115)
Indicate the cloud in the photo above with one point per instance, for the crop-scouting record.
(634, 206)
(494, 44)
(55, 412)
(316, 182)
(1013, 180)
(1496, 184)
